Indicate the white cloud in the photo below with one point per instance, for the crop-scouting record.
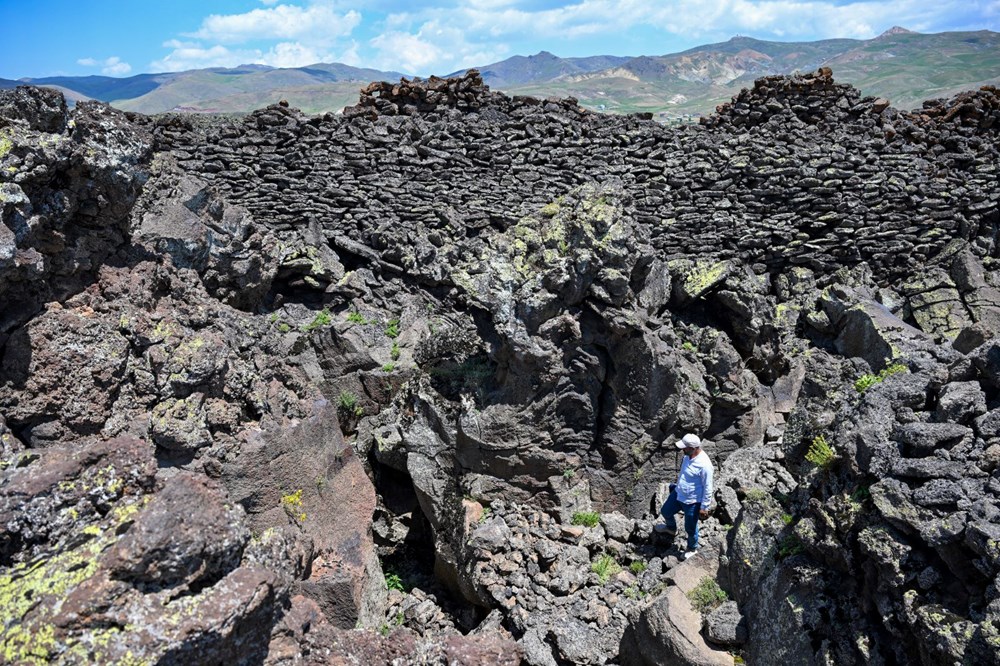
(113, 66)
(292, 54)
(432, 35)
(410, 52)
(435, 46)
(448, 35)
(283, 35)
(318, 23)
(351, 56)
(191, 55)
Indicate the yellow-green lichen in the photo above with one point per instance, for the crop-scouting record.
(32, 595)
(44, 585)
(703, 276)
(6, 145)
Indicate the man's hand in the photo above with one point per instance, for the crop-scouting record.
(703, 514)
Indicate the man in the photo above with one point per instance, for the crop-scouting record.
(692, 493)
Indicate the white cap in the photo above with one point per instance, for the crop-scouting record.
(688, 441)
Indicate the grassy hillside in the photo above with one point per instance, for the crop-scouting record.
(906, 68)
(902, 66)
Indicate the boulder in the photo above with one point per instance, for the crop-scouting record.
(668, 632)
(725, 626)
(305, 475)
(187, 534)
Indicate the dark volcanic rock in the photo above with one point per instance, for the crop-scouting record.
(227, 344)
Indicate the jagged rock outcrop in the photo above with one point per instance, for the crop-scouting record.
(242, 360)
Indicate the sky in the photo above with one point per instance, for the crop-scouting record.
(422, 37)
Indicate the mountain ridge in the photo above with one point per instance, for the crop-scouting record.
(901, 65)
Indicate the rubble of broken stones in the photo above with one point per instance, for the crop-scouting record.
(567, 592)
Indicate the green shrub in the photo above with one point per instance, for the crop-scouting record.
(394, 352)
(392, 328)
(756, 494)
(356, 317)
(388, 367)
(866, 381)
(706, 596)
(347, 402)
(633, 592)
(394, 582)
(586, 518)
(786, 518)
(605, 567)
(820, 452)
(322, 318)
(790, 545)
(637, 567)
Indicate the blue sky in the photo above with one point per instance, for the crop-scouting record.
(127, 37)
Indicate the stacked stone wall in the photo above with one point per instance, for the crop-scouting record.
(796, 170)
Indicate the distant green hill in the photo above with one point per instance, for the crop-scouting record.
(314, 89)
(903, 66)
(543, 66)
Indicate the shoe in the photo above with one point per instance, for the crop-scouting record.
(688, 554)
(660, 528)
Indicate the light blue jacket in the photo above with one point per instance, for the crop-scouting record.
(694, 481)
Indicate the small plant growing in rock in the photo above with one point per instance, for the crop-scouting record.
(394, 582)
(586, 518)
(706, 596)
(861, 494)
(487, 512)
(322, 318)
(388, 367)
(605, 567)
(356, 317)
(394, 352)
(569, 473)
(757, 495)
(786, 518)
(284, 328)
(392, 329)
(689, 346)
(347, 402)
(820, 452)
(790, 545)
(292, 503)
(866, 381)
(637, 567)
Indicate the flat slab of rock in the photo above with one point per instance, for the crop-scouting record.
(669, 630)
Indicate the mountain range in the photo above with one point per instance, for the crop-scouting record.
(905, 67)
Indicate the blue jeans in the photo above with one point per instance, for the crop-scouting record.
(673, 506)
